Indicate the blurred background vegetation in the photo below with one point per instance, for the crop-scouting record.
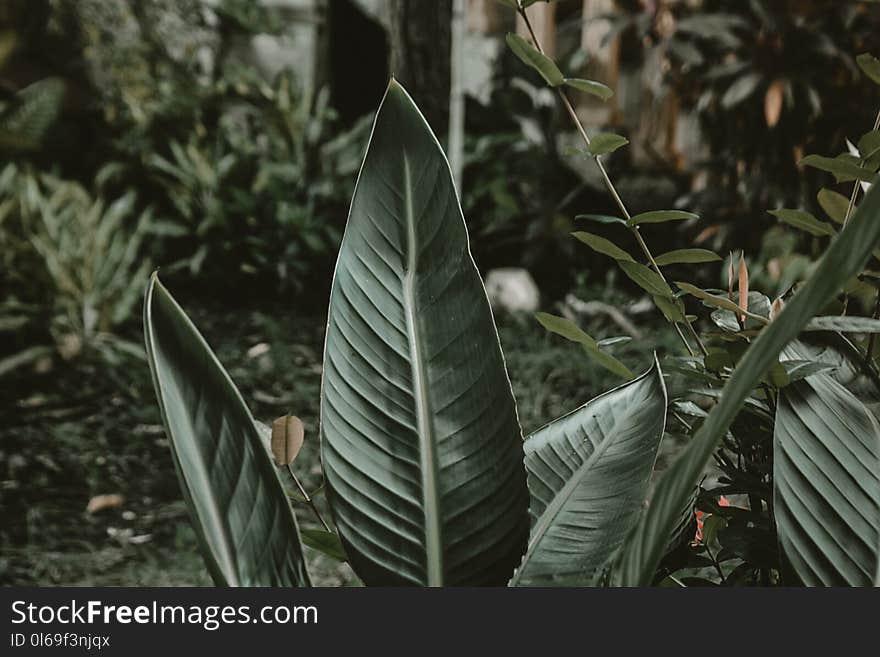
(220, 140)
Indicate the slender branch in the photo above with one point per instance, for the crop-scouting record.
(615, 195)
(858, 184)
(851, 208)
(307, 498)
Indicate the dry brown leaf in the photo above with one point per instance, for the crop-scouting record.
(773, 102)
(288, 434)
(101, 502)
(743, 285)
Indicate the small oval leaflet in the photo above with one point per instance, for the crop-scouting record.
(288, 434)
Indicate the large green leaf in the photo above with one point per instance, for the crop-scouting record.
(238, 506)
(826, 475)
(845, 257)
(846, 363)
(588, 478)
(420, 439)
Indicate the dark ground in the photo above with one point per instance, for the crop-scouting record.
(77, 432)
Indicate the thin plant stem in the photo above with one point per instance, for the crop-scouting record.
(857, 185)
(851, 208)
(307, 498)
(616, 196)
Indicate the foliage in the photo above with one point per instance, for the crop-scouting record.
(764, 78)
(426, 475)
(270, 172)
(408, 307)
(418, 421)
(141, 137)
(790, 472)
(163, 105)
(77, 260)
(241, 511)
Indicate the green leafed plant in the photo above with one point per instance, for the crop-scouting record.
(240, 511)
(421, 445)
(414, 378)
(794, 433)
(428, 478)
(588, 469)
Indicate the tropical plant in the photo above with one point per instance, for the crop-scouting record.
(422, 449)
(800, 475)
(73, 263)
(428, 478)
(272, 171)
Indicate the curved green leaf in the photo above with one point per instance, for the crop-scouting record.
(602, 218)
(844, 168)
(869, 149)
(565, 328)
(795, 370)
(845, 257)
(421, 444)
(834, 204)
(672, 309)
(608, 361)
(660, 216)
(604, 246)
(590, 86)
(743, 87)
(324, 542)
(804, 221)
(646, 278)
(606, 142)
(686, 256)
(846, 364)
(870, 66)
(246, 527)
(719, 302)
(588, 479)
(826, 475)
(536, 60)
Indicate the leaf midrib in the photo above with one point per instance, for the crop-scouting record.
(427, 453)
(552, 511)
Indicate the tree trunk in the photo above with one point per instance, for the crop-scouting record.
(420, 36)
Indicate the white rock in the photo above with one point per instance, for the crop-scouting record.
(513, 289)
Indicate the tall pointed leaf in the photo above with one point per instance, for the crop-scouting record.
(588, 476)
(827, 483)
(844, 258)
(238, 506)
(420, 439)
